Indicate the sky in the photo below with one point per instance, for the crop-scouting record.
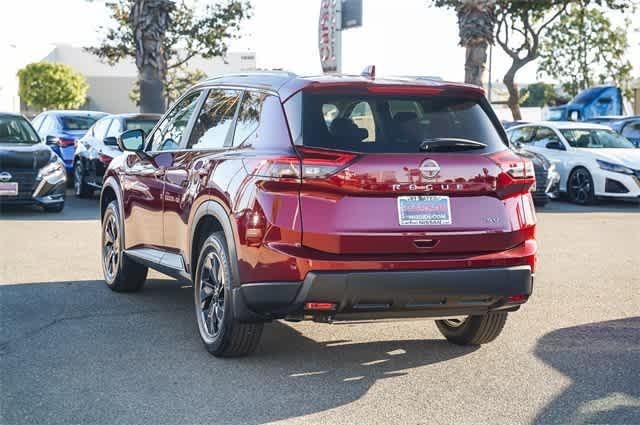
(401, 37)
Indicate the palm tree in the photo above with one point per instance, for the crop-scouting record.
(476, 23)
(150, 20)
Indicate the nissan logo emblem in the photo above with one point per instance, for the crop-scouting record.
(5, 177)
(429, 168)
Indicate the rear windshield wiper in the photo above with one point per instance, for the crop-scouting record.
(450, 144)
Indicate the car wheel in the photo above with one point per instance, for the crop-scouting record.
(221, 333)
(580, 187)
(473, 330)
(54, 208)
(120, 272)
(80, 187)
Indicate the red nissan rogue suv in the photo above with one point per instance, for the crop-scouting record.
(331, 198)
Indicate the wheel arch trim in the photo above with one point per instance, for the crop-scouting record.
(112, 183)
(215, 209)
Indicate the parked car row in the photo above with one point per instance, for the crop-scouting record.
(38, 159)
(592, 160)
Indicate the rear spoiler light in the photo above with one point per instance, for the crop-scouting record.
(517, 176)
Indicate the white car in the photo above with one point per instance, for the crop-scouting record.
(592, 160)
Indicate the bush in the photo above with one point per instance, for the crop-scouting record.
(45, 85)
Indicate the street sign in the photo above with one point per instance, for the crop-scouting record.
(351, 14)
(329, 36)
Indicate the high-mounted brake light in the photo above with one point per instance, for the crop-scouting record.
(517, 176)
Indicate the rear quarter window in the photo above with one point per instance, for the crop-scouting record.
(388, 123)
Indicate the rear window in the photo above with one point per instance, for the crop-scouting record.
(144, 125)
(372, 123)
(78, 123)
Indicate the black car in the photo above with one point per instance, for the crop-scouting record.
(98, 147)
(30, 172)
(547, 178)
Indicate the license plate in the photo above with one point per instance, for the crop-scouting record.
(424, 210)
(8, 189)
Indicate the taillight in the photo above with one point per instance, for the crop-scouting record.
(105, 159)
(517, 175)
(313, 164)
(66, 142)
(320, 163)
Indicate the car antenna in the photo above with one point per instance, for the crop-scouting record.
(369, 72)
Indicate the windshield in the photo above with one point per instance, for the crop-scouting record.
(588, 95)
(390, 123)
(78, 122)
(589, 138)
(144, 125)
(16, 130)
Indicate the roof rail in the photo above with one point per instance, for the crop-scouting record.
(252, 73)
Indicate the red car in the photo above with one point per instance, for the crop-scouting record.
(331, 198)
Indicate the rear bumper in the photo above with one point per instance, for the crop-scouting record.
(372, 294)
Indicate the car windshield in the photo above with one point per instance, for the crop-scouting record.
(16, 130)
(390, 123)
(78, 122)
(144, 125)
(595, 138)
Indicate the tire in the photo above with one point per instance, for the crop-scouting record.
(580, 187)
(54, 208)
(121, 274)
(220, 332)
(474, 330)
(80, 187)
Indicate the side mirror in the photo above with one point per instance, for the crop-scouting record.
(555, 145)
(110, 141)
(51, 140)
(131, 140)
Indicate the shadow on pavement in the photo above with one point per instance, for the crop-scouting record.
(84, 354)
(74, 209)
(602, 360)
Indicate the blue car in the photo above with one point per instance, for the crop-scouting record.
(61, 129)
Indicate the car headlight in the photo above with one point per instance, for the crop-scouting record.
(55, 166)
(616, 168)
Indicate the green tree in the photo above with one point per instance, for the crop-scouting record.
(163, 36)
(538, 94)
(583, 49)
(519, 26)
(45, 85)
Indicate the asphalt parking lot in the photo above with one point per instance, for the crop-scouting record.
(71, 351)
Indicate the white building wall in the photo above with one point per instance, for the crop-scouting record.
(109, 85)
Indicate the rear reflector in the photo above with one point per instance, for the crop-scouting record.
(320, 306)
(517, 298)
